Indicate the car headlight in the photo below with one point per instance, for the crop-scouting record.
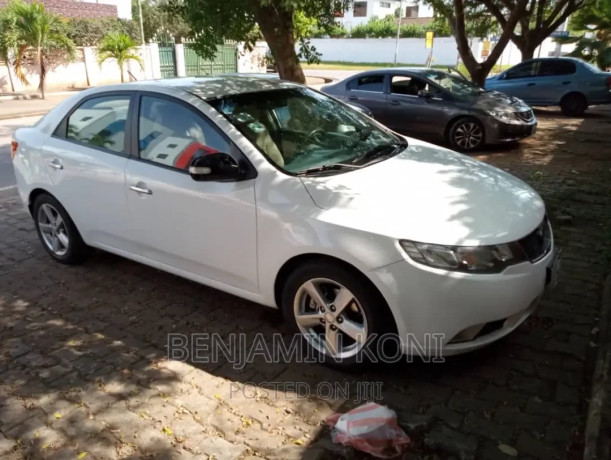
(470, 259)
(505, 117)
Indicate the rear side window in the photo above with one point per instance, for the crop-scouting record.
(373, 83)
(528, 69)
(100, 122)
(556, 67)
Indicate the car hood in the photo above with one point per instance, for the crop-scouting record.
(430, 194)
(496, 101)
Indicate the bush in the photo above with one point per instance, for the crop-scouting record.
(89, 32)
(387, 27)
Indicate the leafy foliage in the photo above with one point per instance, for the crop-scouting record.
(592, 23)
(28, 26)
(281, 22)
(158, 18)
(118, 46)
(387, 27)
(89, 32)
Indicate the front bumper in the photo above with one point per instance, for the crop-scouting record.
(449, 312)
(498, 132)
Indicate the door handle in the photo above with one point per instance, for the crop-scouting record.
(566, 82)
(56, 164)
(137, 189)
(530, 84)
(352, 98)
(394, 102)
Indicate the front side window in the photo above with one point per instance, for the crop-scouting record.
(100, 122)
(171, 134)
(528, 69)
(453, 83)
(409, 86)
(304, 132)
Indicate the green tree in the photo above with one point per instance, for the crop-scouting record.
(28, 26)
(460, 13)
(120, 47)
(156, 18)
(592, 24)
(540, 19)
(218, 20)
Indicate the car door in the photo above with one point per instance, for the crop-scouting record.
(414, 105)
(206, 230)
(86, 158)
(520, 81)
(368, 90)
(556, 77)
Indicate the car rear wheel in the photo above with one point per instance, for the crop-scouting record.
(338, 314)
(466, 135)
(573, 105)
(57, 232)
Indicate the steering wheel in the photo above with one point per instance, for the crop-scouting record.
(315, 135)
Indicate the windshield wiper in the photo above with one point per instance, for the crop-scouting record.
(330, 167)
(380, 150)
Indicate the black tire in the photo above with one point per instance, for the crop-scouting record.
(71, 249)
(466, 134)
(369, 305)
(573, 105)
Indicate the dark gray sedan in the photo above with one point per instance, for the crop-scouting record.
(429, 102)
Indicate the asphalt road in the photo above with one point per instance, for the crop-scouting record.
(8, 187)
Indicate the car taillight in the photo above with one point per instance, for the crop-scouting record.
(14, 146)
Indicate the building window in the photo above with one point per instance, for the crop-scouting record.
(360, 9)
(411, 12)
(385, 4)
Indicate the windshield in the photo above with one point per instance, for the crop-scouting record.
(304, 132)
(453, 83)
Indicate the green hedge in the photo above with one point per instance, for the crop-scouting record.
(387, 27)
(89, 32)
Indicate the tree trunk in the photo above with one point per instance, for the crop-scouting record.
(121, 70)
(277, 28)
(43, 72)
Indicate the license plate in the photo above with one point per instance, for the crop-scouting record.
(552, 270)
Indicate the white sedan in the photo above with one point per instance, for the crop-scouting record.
(284, 196)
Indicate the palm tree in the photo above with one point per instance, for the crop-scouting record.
(119, 46)
(29, 26)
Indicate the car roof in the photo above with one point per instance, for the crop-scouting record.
(211, 87)
(414, 70)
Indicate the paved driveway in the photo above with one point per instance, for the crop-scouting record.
(82, 352)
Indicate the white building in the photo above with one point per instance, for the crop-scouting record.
(362, 11)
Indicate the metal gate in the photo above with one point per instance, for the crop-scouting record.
(167, 60)
(225, 61)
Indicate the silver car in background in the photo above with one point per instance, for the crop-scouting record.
(425, 102)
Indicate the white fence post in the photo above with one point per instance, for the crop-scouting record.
(181, 70)
(155, 63)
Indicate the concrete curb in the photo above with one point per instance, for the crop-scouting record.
(598, 423)
(24, 114)
(30, 96)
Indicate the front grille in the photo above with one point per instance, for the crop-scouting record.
(537, 243)
(528, 115)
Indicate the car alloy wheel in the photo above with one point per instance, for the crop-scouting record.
(330, 318)
(53, 230)
(468, 135)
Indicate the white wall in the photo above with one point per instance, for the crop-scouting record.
(412, 50)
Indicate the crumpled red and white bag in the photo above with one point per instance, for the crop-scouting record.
(370, 428)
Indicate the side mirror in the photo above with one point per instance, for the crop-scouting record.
(425, 93)
(219, 167)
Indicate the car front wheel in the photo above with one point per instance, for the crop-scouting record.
(466, 135)
(340, 315)
(57, 233)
